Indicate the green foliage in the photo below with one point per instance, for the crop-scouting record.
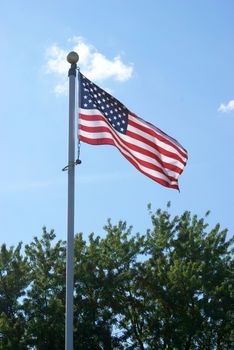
(44, 304)
(172, 288)
(14, 279)
(190, 280)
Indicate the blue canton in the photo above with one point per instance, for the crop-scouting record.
(93, 97)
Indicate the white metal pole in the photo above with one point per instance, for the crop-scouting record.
(72, 58)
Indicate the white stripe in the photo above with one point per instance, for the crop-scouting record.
(154, 139)
(142, 122)
(91, 112)
(122, 138)
(166, 159)
(145, 169)
(144, 134)
(93, 123)
(137, 154)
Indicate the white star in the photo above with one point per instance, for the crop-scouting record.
(85, 105)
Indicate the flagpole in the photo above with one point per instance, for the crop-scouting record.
(72, 58)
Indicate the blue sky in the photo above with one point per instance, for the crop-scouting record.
(170, 62)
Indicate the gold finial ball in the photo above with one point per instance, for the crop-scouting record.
(72, 57)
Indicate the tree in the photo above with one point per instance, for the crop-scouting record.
(94, 319)
(103, 283)
(44, 305)
(190, 284)
(121, 256)
(171, 289)
(14, 280)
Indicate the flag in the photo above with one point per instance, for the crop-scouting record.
(105, 120)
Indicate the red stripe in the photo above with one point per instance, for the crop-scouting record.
(103, 141)
(93, 117)
(150, 154)
(99, 129)
(119, 141)
(122, 143)
(157, 148)
(144, 151)
(110, 142)
(153, 133)
(94, 129)
(138, 137)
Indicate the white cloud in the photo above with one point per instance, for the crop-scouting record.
(226, 108)
(56, 60)
(61, 89)
(92, 63)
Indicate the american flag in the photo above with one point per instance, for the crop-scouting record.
(105, 120)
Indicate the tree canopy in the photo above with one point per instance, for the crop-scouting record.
(169, 288)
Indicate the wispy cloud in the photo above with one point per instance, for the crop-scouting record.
(225, 108)
(95, 65)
